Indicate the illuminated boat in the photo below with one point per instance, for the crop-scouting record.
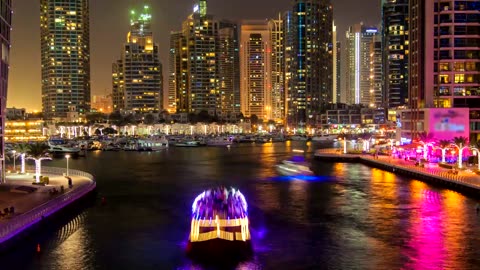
(219, 225)
(295, 166)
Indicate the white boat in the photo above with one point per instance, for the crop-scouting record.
(188, 143)
(219, 141)
(152, 144)
(294, 167)
(61, 149)
(325, 138)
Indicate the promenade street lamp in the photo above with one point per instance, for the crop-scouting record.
(14, 167)
(67, 157)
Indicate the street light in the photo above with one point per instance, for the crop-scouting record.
(14, 167)
(67, 157)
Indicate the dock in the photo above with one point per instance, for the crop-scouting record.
(465, 181)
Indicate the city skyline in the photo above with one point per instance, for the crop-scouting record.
(113, 19)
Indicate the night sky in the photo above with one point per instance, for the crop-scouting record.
(110, 23)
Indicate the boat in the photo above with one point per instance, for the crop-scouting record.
(152, 144)
(295, 166)
(298, 138)
(188, 143)
(325, 138)
(219, 141)
(219, 225)
(59, 148)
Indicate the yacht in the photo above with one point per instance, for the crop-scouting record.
(152, 144)
(295, 166)
(325, 138)
(219, 224)
(219, 141)
(57, 148)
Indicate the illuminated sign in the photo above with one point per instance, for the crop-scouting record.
(196, 8)
(445, 123)
(371, 30)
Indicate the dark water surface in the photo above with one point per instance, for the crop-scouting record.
(352, 217)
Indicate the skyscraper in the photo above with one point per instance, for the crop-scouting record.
(359, 40)
(310, 54)
(376, 73)
(204, 62)
(137, 75)
(335, 65)
(255, 61)
(395, 29)
(277, 68)
(444, 60)
(65, 57)
(178, 74)
(5, 26)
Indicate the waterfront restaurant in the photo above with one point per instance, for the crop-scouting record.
(24, 131)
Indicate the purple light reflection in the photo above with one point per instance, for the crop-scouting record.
(427, 233)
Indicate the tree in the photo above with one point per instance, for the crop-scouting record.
(425, 138)
(38, 152)
(444, 144)
(253, 119)
(461, 143)
(22, 150)
(204, 117)
(95, 117)
(149, 119)
(115, 117)
(109, 130)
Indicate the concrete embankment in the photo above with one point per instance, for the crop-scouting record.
(41, 205)
(464, 181)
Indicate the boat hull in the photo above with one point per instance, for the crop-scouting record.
(223, 250)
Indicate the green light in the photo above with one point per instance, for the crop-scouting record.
(132, 12)
(145, 7)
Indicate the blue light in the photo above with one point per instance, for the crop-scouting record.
(306, 178)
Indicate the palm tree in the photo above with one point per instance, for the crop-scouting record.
(365, 140)
(425, 138)
(38, 152)
(22, 150)
(444, 144)
(476, 147)
(461, 143)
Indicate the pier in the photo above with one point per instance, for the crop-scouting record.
(465, 181)
(34, 203)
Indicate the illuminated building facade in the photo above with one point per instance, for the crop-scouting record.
(255, 61)
(25, 131)
(102, 103)
(204, 65)
(359, 40)
(395, 31)
(336, 54)
(5, 26)
(65, 57)
(310, 60)
(444, 61)
(137, 79)
(376, 73)
(178, 74)
(277, 69)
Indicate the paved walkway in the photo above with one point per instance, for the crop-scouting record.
(468, 176)
(26, 202)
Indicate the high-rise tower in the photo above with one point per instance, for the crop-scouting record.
(137, 75)
(204, 63)
(5, 25)
(65, 57)
(359, 62)
(310, 54)
(395, 31)
(444, 61)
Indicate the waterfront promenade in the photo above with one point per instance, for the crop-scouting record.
(430, 171)
(32, 203)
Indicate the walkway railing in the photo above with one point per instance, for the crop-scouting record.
(19, 223)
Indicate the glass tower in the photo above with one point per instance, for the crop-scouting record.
(65, 57)
(311, 60)
(5, 26)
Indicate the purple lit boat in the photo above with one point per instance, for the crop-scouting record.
(219, 224)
